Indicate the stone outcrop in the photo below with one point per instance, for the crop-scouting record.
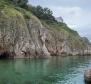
(87, 76)
(59, 19)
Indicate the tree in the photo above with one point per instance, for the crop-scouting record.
(47, 11)
(42, 13)
(39, 12)
(21, 3)
(48, 14)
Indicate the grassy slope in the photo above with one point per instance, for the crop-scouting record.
(10, 10)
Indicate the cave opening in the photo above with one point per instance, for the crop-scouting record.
(4, 55)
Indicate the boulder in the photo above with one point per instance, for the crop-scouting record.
(87, 76)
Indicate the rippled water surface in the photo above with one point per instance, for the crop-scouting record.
(56, 70)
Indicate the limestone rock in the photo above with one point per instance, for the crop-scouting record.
(87, 76)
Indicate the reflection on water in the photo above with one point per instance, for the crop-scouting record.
(56, 70)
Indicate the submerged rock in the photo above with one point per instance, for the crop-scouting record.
(87, 76)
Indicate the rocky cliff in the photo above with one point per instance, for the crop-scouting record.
(59, 19)
(23, 35)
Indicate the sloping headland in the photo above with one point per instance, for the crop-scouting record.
(24, 33)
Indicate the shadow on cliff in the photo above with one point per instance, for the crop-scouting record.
(5, 54)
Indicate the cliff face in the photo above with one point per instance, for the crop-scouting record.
(22, 37)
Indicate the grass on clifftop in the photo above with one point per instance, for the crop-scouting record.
(60, 27)
(9, 10)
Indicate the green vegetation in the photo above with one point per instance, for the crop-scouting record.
(20, 3)
(8, 11)
(42, 13)
(26, 14)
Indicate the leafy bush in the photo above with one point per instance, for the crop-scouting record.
(42, 13)
(20, 3)
(25, 13)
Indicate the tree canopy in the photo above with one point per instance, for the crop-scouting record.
(42, 13)
(21, 3)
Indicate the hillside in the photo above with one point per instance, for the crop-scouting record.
(24, 35)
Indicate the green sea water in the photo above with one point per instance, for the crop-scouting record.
(55, 70)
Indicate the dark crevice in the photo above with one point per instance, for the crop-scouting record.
(5, 55)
